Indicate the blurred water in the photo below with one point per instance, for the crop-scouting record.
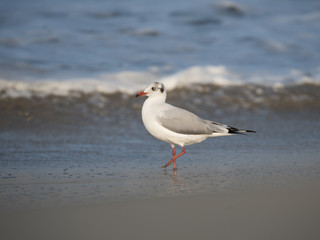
(70, 126)
(61, 40)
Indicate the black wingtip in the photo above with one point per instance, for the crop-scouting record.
(234, 130)
(251, 131)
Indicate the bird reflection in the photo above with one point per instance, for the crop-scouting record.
(177, 181)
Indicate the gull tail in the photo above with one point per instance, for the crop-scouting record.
(234, 130)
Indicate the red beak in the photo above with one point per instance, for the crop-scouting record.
(142, 93)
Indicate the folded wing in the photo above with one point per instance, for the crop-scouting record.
(184, 122)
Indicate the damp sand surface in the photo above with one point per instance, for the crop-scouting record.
(100, 177)
(289, 214)
(109, 160)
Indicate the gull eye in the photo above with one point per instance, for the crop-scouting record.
(153, 88)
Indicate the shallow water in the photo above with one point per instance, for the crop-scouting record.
(106, 160)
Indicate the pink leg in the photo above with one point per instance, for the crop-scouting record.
(174, 157)
(173, 151)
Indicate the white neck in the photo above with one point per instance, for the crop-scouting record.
(156, 99)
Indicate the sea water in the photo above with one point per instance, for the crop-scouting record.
(70, 125)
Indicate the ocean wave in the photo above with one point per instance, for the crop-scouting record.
(43, 105)
(207, 100)
(129, 82)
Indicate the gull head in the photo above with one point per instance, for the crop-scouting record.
(154, 89)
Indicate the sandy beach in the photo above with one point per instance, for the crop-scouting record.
(252, 215)
(261, 186)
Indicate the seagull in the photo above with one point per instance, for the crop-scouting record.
(177, 126)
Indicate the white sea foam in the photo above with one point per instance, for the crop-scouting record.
(130, 82)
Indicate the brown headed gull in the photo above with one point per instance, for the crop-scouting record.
(175, 125)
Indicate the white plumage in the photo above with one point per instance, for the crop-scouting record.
(176, 125)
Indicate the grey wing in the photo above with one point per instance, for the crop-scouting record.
(181, 121)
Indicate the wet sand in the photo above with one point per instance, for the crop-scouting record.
(87, 181)
(107, 161)
(251, 215)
